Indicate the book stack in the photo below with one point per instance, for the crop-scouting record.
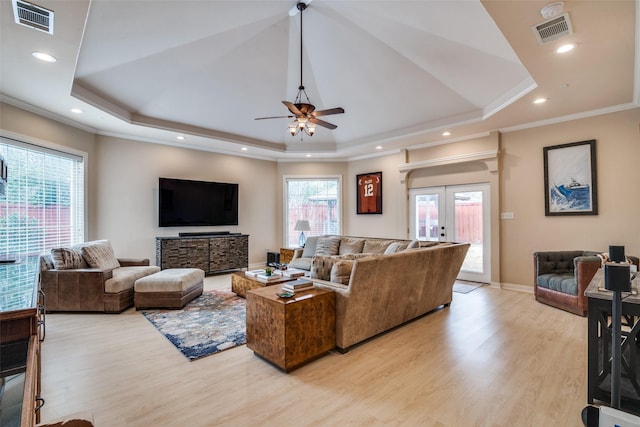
(297, 285)
(293, 272)
(253, 273)
(272, 278)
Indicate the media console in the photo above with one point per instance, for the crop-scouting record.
(209, 252)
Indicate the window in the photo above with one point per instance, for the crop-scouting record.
(43, 204)
(316, 200)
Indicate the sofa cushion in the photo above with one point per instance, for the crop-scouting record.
(376, 246)
(565, 283)
(66, 258)
(309, 247)
(124, 278)
(301, 263)
(327, 246)
(350, 245)
(341, 272)
(100, 255)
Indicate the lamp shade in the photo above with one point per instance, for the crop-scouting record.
(302, 225)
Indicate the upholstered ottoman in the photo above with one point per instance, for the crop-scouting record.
(171, 288)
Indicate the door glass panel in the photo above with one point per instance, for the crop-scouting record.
(427, 217)
(469, 227)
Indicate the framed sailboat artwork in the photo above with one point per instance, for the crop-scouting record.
(570, 179)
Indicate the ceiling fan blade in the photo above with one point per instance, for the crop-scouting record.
(329, 111)
(322, 123)
(273, 117)
(294, 10)
(293, 108)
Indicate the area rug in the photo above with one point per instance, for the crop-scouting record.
(466, 287)
(211, 323)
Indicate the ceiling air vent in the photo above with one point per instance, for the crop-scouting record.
(553, 29)
(33, 16)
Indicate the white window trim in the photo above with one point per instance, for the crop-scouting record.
(285, 204)
(30, 142)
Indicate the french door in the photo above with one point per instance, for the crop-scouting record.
(456, 214)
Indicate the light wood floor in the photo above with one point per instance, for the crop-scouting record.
(494, 358)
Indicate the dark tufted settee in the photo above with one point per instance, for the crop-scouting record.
(561, 277)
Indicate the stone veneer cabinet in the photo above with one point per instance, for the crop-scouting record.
(212, 254)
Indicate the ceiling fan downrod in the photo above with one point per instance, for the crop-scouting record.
(301, 7)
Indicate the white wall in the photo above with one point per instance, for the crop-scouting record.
(127, 195)
(393, 222)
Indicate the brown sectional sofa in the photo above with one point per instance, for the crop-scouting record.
(88, 277)
(377, 292)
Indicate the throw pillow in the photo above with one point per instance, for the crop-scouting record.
(395, 247)
(309, 247)
(349, 245)
(341, 272)
(66, 258)
(413, 244)
(100, 256)
(321, 267)
(327, 246)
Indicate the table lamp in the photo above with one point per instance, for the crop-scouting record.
(302, 225)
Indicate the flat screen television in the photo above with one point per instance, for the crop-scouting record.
(197, 203)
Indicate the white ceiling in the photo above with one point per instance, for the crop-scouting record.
(404, 71)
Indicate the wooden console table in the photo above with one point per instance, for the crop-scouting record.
(599, 345)
(294, 331)
(21, 330)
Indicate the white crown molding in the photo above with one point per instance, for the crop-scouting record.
(45, 113)
(570, 117)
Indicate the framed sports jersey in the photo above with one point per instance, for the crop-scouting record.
(369, 187)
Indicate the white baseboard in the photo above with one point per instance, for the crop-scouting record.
(514, 287)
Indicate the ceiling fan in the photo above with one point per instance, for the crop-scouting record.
(304, 113)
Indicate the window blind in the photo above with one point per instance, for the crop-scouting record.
(43, 205)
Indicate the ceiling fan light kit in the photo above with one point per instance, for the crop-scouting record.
(304, 114)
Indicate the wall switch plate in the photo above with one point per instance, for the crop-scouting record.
(506, 215)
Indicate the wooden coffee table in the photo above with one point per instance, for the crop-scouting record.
(294, 331)
(241, 283)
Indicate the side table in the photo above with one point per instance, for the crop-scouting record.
(599, 345)
(286, 254)
(241, 283)
(290, 332)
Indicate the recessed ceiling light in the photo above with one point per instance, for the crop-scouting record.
(244, 148)
(446, 133)
(565, 48)
(379, 147)
(43, 56)
(76, 110)
(540, 101)
(180, 137)
(308, 155)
